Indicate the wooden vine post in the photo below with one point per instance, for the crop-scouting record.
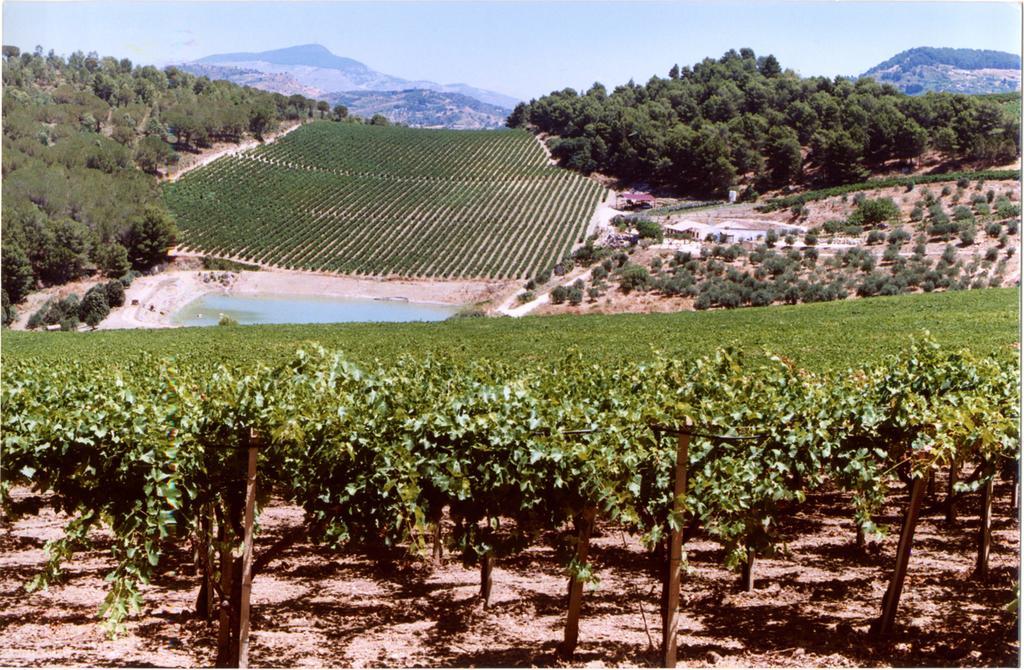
(670, 615)
(255, 442)
(486, 568)
(954, 473)
(584, 527)
(985, 525)
(884, 625)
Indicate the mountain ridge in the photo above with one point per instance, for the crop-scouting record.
(315, 66)
(944, 69)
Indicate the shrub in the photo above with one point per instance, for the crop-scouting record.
(899, 237)
(542, 278)
(917, 213)
(770, 238)
(963, 182)
(994, 229)
(946, 190)
(559, 294)
(633, 277)
(115, 293)
(525, 297)
(1012, 227)
(810, 239)
(949, 254)
(876, 237)
(967, 236)
(226, 320)
(648, 229)
(871, 212)
(575, 296)
(962, 213)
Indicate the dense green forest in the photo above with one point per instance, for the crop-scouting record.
(744, 120)
(83, 138)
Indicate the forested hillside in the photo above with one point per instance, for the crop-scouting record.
(974, 71)
(743, 120)
(83, 140)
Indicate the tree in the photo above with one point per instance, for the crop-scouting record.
(153, 152)
(648, 229)
(94, 307)
(10, 51)
(149, 237)
(9, 312)
(910, 140)
(379, 120)
(839, 156)
(340, 112)
(16, 270)
(673, 73)
(323, 107)
(112, 259)
(260, 120)
(115, 293)
(769, 66)
(784, 158)
(66, 259)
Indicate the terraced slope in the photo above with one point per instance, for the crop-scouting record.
(371, 200)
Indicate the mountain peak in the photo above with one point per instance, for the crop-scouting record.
(312, 55)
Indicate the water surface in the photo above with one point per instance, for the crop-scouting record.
(257, 308)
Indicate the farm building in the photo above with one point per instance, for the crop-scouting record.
(692, 230)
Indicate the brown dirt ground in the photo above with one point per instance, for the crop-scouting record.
(812, 606)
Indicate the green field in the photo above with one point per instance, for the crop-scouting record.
(819, 336)
(382, 201)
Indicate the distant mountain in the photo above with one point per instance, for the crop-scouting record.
(951, 70)
(312, 65)
(423, 108)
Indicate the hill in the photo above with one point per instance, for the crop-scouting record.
(317, 69)
(423, 108)
(84, 138)
(379, 201)
(743, 122)
(971, 71)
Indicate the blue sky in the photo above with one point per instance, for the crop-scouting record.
(524, 49)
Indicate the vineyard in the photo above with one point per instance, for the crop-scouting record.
(723, 447)
(821, 337)
(381, 201)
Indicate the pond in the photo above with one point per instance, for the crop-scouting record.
(278, 308)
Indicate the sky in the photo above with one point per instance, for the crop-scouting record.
(522, 49)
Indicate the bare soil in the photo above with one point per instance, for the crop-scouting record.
(812, 605)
